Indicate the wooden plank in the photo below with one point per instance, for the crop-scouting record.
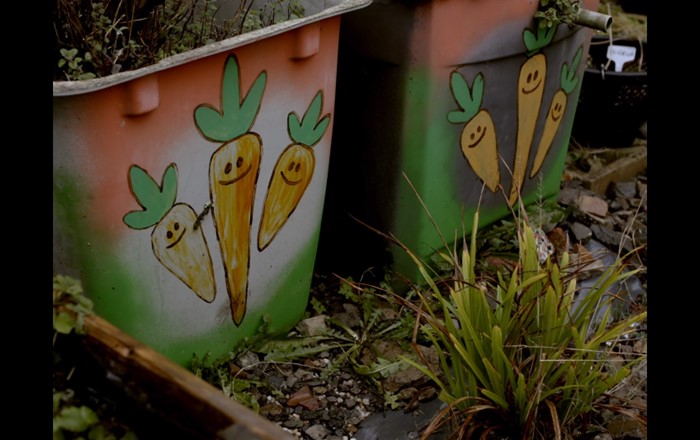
(159, 385)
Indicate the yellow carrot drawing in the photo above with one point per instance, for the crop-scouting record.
(233, 176)
(176, 242)
(531, 82)
(293, 170)
(478, 138)
(568, 82)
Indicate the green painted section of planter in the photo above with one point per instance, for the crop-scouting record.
(396, 89)
(153, 209)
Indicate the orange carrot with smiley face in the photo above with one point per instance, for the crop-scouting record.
(478, 138)
(233, 176)
(531, 82)
(293, 170)
(176, 242)
(568, 82)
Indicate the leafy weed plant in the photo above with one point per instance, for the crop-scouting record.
(519, 357)
(75, 415)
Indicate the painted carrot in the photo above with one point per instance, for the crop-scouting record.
(531, 81)
(293, 170)
(233, 176)
(176, 242)
(568, 82)
(478, 139)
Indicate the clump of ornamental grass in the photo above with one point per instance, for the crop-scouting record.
(519, 358)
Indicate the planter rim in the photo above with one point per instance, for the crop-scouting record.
(600, 40)
(617, 74)
(68, 88)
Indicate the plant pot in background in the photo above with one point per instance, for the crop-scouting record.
(170, 203)
(635, 6)
(404, 133)
(612, 105)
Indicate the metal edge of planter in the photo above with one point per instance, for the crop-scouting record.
(68, 88)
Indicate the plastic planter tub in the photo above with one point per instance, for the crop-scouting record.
(456, 102)
(188, 195)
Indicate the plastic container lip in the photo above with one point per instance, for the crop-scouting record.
(68, 88)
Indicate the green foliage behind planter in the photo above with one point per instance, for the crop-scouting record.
(98, 38)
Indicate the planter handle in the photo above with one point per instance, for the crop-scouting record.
(307, 41)
(594, 20)
(142, 96)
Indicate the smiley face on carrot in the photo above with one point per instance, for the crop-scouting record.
(233, 174)
(293, 170)
(531, 80)
(176, 242)
(568, 82)
(478, 138)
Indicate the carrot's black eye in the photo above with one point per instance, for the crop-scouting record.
(239, 162)
(297, 167)
(228, 168)
(291, 166)
(176, 226)
(169, 234)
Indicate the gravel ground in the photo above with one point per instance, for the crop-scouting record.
(339, 379)
(349, 403)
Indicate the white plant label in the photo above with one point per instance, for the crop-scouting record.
(621, 55)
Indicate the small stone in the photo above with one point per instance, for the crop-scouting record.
(271, 409)
(276, 381)
(302, 394)
(314, 326)
(623, 190)
(568, 196)
(582, 233)
(607, 236)
(593, 205)
(293, 423)
(247, 359)
(427, 394)
(317, 432)
(320, 390)
(351, 316)
(351, 402)
(406, 393)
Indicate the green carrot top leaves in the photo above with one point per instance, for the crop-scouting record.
(155, 199)
(469, 100)
(569, 80)
(237, 115)
(533, 43)
(310, 129)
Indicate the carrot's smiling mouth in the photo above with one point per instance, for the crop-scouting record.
(475, 143)
(237, 178)
(287, 181)
(177, 240)
(532, 89)
(556, 116)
